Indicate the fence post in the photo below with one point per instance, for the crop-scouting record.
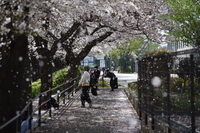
(39, 109)
(139, 89)
(18, 122)
(168, 63)
(64, 98)
(192, 93)
(58, 99)
(151, 98)
(68, 95)
(49, 101)
(30, 109)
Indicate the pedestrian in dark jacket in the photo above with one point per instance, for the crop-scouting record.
(93, 83)
(93, 80)
(97, 75)
(113, 79)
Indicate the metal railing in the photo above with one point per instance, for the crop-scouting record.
(33, 109)
(169, 90)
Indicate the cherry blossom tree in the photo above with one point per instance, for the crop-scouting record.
(76, 26)
(115, 21)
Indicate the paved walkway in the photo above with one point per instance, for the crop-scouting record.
(111, 113)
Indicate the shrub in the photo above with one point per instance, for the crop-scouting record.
(176, 85)
(184, 69)
(36, 87)
(58, 78)
(103, 83)
(157, 63)
(157, 52)
(133, 86)
(196, 85)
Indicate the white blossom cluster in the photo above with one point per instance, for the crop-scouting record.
(125, 19)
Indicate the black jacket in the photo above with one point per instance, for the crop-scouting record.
(97, 73)
(111, 75)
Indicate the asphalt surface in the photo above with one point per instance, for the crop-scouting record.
(111, 113)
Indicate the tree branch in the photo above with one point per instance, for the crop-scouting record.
(69, 33)
(91, 44)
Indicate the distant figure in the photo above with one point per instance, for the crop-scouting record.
(93, 83)
(85, 83)
(113, 79)
(97, 75)
(93, 80)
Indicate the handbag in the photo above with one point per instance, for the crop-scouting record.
(94, 91)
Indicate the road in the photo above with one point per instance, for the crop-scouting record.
(111, 112)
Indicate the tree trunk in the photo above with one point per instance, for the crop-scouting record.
(26, 91)
(74, 61)
(45, 72)
(34, 68)
(72, 73)
(12, 69)
(45, 65)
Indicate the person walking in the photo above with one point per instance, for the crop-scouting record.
(93, 82)
(85, 84)
(93, 79)
(113, 79)
(97, 75)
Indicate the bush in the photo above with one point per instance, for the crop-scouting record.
(176, 85)
(157, 63)
(133, 85)
(36, 87)
(103, 83)
(196, 85)
(157, 52)
(58, 78)
(179, 94)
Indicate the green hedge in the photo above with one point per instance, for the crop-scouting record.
(103, 84)
(133, 86)
(36, 87)
(157, 52)
(58, 78)
(176, 85)
(179, 94)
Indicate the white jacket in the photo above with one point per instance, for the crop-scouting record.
(85, 79)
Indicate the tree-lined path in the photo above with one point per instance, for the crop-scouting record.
(111, 113)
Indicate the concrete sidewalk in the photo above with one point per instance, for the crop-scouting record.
(111, 113)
